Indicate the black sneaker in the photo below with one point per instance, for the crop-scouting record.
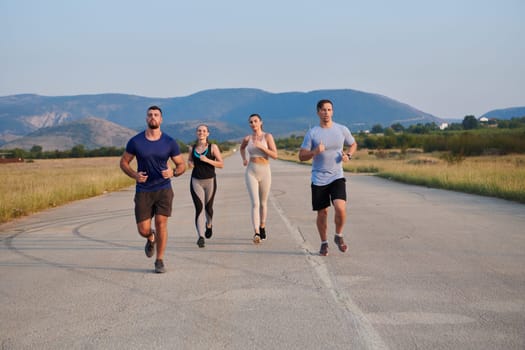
(324, 249)
(257, 238)
(262, 233)
(159, 266)
(149, 249)
(340, 243)
(208, 232)
(200, 242)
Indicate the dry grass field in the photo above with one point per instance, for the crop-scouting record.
(33, 186)
(494, 176)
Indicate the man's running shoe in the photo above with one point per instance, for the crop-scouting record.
(262, 233)
(208, 232)
(149, 249)
(257, 238)
(340, 243)
(159, 266)
(200, 242)
(324, 249)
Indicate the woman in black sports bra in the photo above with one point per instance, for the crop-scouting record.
(204, 157)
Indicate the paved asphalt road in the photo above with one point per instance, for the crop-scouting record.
(425, 269)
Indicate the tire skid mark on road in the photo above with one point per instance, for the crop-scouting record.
(67, 220)
(80, 221)
(369, 336)
(77, 229)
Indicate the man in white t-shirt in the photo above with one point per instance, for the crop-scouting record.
(325, 144)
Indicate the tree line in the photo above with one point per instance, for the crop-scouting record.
(469, 122)
(80, 151)
(468, 138)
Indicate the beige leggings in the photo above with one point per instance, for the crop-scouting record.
(258, 181)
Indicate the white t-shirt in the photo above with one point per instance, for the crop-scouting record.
(327, 166)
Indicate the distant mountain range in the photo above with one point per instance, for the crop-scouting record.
(90, 132)
(506, 113)
(60, 122)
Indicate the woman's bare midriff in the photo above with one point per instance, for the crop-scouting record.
(259, 160)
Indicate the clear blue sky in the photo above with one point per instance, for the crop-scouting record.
(449, 58)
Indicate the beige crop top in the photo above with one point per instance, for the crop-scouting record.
(254, 151)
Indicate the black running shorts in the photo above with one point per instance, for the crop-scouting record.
(322, 196)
